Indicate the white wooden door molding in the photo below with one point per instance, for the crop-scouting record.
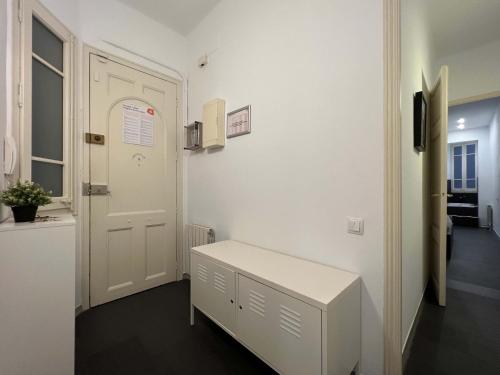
(392, 189)
(85, 165)
(438, 148)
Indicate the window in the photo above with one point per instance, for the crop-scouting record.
(464, 167)
(47, 102)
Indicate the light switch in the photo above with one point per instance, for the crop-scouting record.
(355, 225)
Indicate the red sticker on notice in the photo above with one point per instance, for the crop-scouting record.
(151, 111)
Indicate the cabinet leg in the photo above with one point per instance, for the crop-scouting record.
(191, 320)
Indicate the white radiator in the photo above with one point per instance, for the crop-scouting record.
(489, 214)
(195, 235)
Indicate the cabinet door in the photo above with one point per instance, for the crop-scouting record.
(213, 290)
(283, 330)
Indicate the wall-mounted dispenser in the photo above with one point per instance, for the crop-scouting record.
(192, 136)
(214, 124)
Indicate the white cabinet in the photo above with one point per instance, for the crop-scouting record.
(37, 297)
(299, 317)
(214, 291)
(279, 328)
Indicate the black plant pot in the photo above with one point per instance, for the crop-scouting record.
(24, 213)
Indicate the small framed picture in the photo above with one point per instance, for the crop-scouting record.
(239, 122)
(419, 121)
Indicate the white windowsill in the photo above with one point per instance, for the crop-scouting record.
(60, 219)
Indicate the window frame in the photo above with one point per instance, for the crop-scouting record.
(27, 9)
(464, 178)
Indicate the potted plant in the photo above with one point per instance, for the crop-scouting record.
(24, 198)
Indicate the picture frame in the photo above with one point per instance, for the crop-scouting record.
(419, 121)
(239, 122)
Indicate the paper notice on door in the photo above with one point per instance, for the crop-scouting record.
(138, 124)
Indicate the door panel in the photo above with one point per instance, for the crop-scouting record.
(280, 328)
(438, 189)
(213, 291)
(119, 258)
(133, 228)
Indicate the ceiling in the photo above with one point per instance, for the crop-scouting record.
(180, 15)
(476, 115)
(458, 25)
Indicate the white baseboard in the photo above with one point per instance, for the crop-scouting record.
(78, 310)
(414, 322)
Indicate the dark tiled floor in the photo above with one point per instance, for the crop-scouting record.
(476, 257)
(464, 337)
(149, 334)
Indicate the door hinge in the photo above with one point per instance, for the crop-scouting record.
(20, 95)
(20, 10)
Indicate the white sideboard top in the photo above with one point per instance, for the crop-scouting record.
(56, 220)
(317, 283)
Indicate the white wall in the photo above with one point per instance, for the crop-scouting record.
(473, 72)
(312, 71)
(417, 58)
(495, 169)
(484, 169)
(96, 21)
(112, 21)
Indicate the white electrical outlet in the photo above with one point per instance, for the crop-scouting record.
(355, 225)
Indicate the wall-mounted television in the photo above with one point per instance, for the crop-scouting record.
(419, 121)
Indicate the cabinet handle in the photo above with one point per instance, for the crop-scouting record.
(232, 301)
(241, 308)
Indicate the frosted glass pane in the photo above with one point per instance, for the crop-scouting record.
(457, 150)
(47, 113)
(471, 149)
(46, 45)
(457, 184)
(471, 184)
(457, 167)
(50, 176)
(471, 166)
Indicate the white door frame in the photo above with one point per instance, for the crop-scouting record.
(85, 157)
(475, 98)
(393, 357)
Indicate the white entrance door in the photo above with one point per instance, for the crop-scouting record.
(133, 224)
(438, 164)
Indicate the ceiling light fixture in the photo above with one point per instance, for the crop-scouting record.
(461, 120)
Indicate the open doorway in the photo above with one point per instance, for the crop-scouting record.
(473, 251)
(461, 337)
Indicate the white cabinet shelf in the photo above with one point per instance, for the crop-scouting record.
(298, 316)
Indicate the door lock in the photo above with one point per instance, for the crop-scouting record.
(88, 189)
(96, 139)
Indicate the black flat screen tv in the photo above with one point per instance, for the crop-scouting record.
(419, 121)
